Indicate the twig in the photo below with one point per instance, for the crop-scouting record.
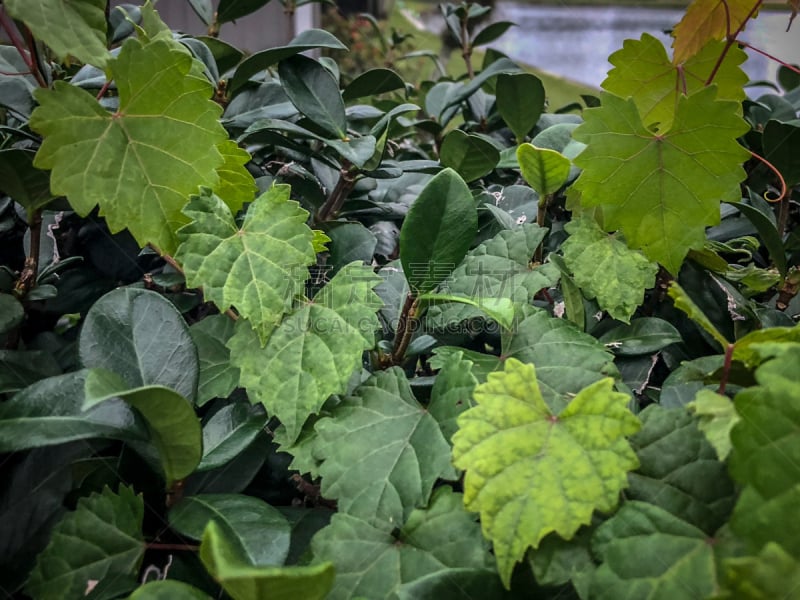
(730, 38)
(160, 546)
(339, 194)
(404, 329)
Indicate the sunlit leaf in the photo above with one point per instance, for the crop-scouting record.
(706, 20)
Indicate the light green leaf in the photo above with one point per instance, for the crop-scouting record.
(667, 188)
(11, 313)
(236, 185)
(746, 350)
(174, 428)
(672, 558)
(770, 575)
(520, 101)
(438, 231)
(397, 475)
(545, 170)
(373, 559)
(679, 471)
(687, 305)
(470, 155)
(70, 27)
(259, 268)
(140, 336)
(452, 392)
(605, 268)
(643, 71)
(243, 581)
(168, 589)
(529, 471)
(716, 417)
(313, 352)
(499, 309)
(141, 163)
(218, 377)
(101, 538)
(256, 533)
(644, 335)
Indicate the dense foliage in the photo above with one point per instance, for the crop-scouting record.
(271, 330)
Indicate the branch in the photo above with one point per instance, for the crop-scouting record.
(730, 39)
(344, 186)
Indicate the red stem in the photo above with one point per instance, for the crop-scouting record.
(7, 24)
(103, 90)
(730, 39)
(726, 369)
(774, 169)
(771, 57)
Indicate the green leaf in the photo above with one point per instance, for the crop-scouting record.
(716, 417)
(781, 141)
(470, 155)
(349, 242)
(140, 336)
(236, 185)
(259, 268)
(398, 475)
(491, 32)
(315, 93)
(372, 560)
(772, 574)
(545, 170)
(71, 28)
(463, 91)
(643, 71)
(255, 532)
(530, 471)
(767, 229)
(679, 470)
(499, 309)
(372, 83)
(21, 368)
(101, 538)
(605, 268)
(687, 305)
(243, 581)
(218, 377)
(26, 184)
(643, 336)
(51, 412)
(673, 559)
(452, 392)
(230, 10)
(455, 584)
(313, 352)
(520, 101)
(557, 561)
(229, 432)
(11, 313)
(168, 589)
(142, 162)
(746, 349)
(438, 231)
(667, 187)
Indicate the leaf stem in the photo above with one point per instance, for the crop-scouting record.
(730, 38)
(103, 90)
(178, 547)
(405, 330)
(335, 201)
(27, 57)
(726, 369)
(27, 278)
(783, 63)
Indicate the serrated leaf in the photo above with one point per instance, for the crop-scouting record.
(673, 559)
(397, 476)
(557, 561)
(520, 101)
(168, 589)
(243, 581)
(141, 163)
(605, 268)
(373, 561)
(259, 268)
(706, 20)
(256, 533)
(545, 170)
(686, 304)
(679, 471)
(772, 574)
(101, 537)
(716, 417)
(218, 377)
(650, 201)
(643, 71)
(452, 392)
(313, 352)
(174, 428)
(236, 185)
(529, 471)
(70, 27)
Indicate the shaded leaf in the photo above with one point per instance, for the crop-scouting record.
(230, 10)
(315, 93)
(470, 155)
(686, 304)
(218, 377)
(229, 432)
(21, 368)
(771, 574)
(643, 336)
(781, 141)
(452, 392)
(168, 589)
(373, 82)
(26, 184)
(11, 313)
(716, 416)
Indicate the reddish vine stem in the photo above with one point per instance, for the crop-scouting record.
(783, 212)
(103, 90)
(8, 25)
(730, 38)
(783, 63)
(726, 369)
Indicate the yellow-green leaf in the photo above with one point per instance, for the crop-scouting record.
(545, 170)
(707, 20)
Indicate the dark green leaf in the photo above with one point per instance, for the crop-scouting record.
(349, 242)
(643, 336)
(21, 368)
(769, 234)
(26, 184)
(781, 141)
(218, 377)
(203, 9)
(11, 313)
(168, 590)
(556, 561)
(315, 93)
(230, 10)
(520, 101)
(460, 93)
(456, 584)
(229, 432)
(491, 32)
(470, 155)
(372, 83)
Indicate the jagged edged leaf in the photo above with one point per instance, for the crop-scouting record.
(470, 155)
(229, 432)
(605, 268)
(649, 553)
(71, 28)
(256, 533)
(168, 589)
(141, 336)
(243, 581)
(315, 93)
(236, 185)
(706, 20)
(716, 417)
(259, 268)
(174, 428)
(529, 471)
(650, 201)
(679, 470)
(438, 231)
(372, 560)
(398, 474)
(218, 377)
(51, 412)
(101, 538)
(644, 335)
(520, 101)
(544, 169)
(557, 561)
(452, 392)
(141, 163)
(772, 574)
(643, 71)
(313, 352)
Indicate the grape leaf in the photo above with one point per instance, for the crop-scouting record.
(668, 187)
(643, 71)
(716, 416)
(706, 20)
(772, 574)
(672, 560)
(530, 471)
(313, 352)
(399, 473)
(605, 268)
(70, 27)
(142, 162)
(101, 538)
(373, 560)
(236, 185)
(259, 268)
